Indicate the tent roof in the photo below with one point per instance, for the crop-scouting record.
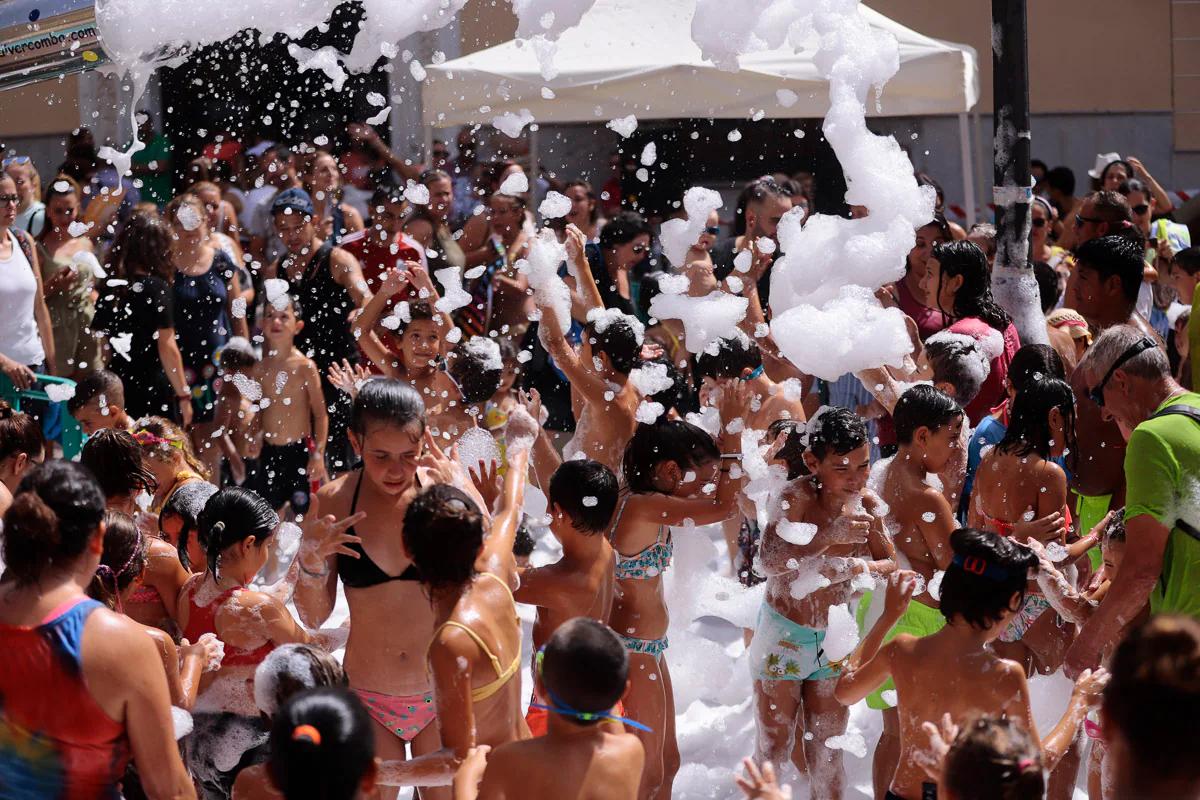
(637, 57)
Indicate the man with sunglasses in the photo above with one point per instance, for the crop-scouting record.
(1164, 238)
(764, 203)
(1128, 376)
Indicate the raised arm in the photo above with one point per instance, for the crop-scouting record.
(497, 556)
(589, 291)
(579, 375)
(871, 663)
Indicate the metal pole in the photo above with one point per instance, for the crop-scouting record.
(534, 157)
(964, 145)
(980, 185)
(1013, 283)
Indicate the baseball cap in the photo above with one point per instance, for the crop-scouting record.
(294, 199)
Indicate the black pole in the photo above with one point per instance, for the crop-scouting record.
(1012, 278)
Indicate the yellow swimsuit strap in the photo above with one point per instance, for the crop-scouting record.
(502, 675)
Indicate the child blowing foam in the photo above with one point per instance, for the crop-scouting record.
(581, 674)
(953, 671)
(583, 497)
(831, 532)
(292, 410)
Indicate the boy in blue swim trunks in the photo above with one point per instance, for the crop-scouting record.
(821, 551)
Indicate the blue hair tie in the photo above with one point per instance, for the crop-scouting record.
(584, 716)
(978, 566)
(753, 375)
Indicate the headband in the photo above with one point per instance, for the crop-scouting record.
(146, 437)
(978, 566)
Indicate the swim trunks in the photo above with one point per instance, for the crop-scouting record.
(782, 650)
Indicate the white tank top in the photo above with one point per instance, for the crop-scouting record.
(19, 339)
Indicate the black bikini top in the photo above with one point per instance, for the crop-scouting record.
(362, 572)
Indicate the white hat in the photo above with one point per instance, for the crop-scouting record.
(1102, 161)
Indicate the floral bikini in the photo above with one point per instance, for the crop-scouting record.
(650, 563)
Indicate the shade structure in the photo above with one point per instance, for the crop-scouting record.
(637, 57)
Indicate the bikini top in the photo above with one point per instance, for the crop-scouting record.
(502, 675)
(1007, 529)
(363, 572)
(651, 562)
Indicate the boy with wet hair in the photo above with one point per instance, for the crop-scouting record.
(291, 410)
(580, 675)
(99, 402)
(583, 497)
(959, 364)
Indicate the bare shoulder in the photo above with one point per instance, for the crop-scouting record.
(120, 635)
(872, 503)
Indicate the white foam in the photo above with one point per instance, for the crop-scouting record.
(624, 125)
(511, 124)
(555, 205)
(516, 183)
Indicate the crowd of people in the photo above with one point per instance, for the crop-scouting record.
(307, 375)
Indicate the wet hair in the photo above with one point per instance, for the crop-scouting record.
(591, 193)
(322, 745)
(1061, 179)
(386, 194)
(994, 759)
(662, 441)
(237, 354)
(987, 232)
(117, 461)
(1035, 361)
(939, 222)
(1188, 260)
(19, 433)
(173, 438)
(834, 431)
(924, 179)
(586, 667)
(579, 481)
(95, 384)
(678, 394)
(1029, 423)
(619, 341)
(735, 354)
(792, 451)
(1154, 697)
(974, 297)
(523, 541)
(443, 533)
(387, 401)
(54, 513)
(623, 228)
(981, 599)
(959, 360)
(923, 406)
(755, 192)
(142, 247)
(186, 503)
(290, 669)
(431, 176)
(231, 516)
(1112, 207)
(124, 558)
(471, 369)
(171, 212)
(1047, 281)
(286, 299)
(1114, 531)
(1115, 256)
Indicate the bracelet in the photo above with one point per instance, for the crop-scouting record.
(310, 573)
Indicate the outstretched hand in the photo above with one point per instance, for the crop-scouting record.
(761, 784)
(941, 737)
(487, 479)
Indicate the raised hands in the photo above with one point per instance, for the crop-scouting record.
(487, 480)
(348, 377)
(324, 537)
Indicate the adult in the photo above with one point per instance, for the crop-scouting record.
(205, 287)
(152, 164)
(957, 233)
(430, 224)
(507, 291)
(1128, 375)
(330, 286)
(367, 140)
(223, 226)
(67, 280)
(624, 243)
(1113, 174)
(85, 685)
(1153, 691)
(1060, 188)
(760, 207)
(1164, 238)
(277, 171)
(1042, 218)
(31, 211)
(323, 182)
(1119, 170)
(477, 238)
(585, 209)
(1100, 214)
(910, 296)
(959, 280)
(135, 315)
(26, 333)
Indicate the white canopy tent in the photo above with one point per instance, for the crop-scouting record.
(637, 57)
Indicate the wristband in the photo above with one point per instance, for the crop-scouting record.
(310, 573)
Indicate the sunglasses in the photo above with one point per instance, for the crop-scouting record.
(1039, 223)
(16, 160)
(15, 199)
(441, 154)
(1079, 220)
(146, 437)
(639, 248)
(1097, 394)
(1141, 208)
(713, 230)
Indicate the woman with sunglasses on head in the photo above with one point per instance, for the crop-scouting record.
(26, 333)
(31, 212)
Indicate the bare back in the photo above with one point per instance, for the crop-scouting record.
(603, 430)
(593, 764)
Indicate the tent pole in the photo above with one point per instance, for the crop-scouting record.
(964, 144)
(980, 202)
(533, 171)
(427, 145)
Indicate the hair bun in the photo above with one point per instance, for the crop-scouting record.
(6, 410)
(306, 733)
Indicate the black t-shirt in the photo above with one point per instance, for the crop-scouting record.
(605, 282)
(723, 253)
(137, 309)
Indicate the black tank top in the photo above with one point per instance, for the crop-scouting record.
(327, 337)
(362, 572)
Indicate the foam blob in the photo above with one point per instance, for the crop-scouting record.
(841, 637)
(624, 125)
(511, 124)
(555, 205)
(545, 256)
(705, 319)
(516, 183)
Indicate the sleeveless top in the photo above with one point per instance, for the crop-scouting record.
(327, 337)
(363, 572)
(202, 322)
(19, 338)
(502, 675)
(651, 562)
(203, 619)
(55, 740)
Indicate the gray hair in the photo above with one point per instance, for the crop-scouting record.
(1150, 364)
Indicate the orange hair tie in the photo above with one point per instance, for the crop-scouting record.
(306, 732)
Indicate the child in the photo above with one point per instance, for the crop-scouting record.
(240, 438)
(322, 738)
(737, 365)
(178, 523)
(476, 369)
(669, 468)
(288, 671)
(580, 674)
(495, 413)
(793, 678)
(991, 759)
(99, 402)
(121, 566)
(292, 411)
(240, 528)
(169, 457)
(582, 496)
(952, 671)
